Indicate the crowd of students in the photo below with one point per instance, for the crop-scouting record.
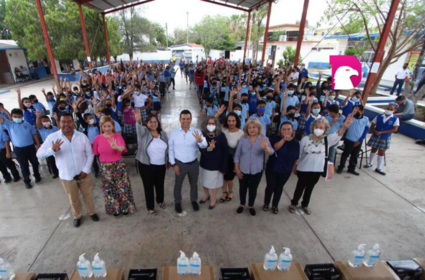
(250, 114)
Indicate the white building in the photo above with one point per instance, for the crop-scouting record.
(11, 56)
(190, 51)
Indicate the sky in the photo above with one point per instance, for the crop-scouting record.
(173, 12)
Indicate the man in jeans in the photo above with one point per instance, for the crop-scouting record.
(401, 75)
(74, 157)
(356, 133)
(23, 136)
(183, 146)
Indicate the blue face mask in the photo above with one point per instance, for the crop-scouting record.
(316, 111)
(51, 99)
(354, 99)
(237, 112)
(253, 93)
(290, 92)
(17, 120)
(137, 92)
(322, 98)
(261, 110)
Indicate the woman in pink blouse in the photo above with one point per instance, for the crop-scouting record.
(109, 146)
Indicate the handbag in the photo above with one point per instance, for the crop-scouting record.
(325, 168)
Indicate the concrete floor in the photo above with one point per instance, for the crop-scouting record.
(36, 232)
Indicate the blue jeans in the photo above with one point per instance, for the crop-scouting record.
(399, 83)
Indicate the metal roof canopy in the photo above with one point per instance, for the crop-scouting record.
(111, 6)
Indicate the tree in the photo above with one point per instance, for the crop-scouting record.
(179, 36)
(237, 27)
(289, 56)
(213, 33)
(257, 29)
(406, 33)
(275, 35)
(4, 31)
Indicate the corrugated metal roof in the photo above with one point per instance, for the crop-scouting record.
(8, 46)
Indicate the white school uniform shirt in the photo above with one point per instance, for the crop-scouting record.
(386, 118)
(403, 73)
(72, 158)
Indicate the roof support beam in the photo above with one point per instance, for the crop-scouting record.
(127, 6)
(226, 5)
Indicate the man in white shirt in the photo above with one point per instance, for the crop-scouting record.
(183, 147)
(74, 157)
(401, 75)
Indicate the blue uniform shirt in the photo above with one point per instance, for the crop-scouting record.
(286, 119)
(92, 132)
(39, 107)
(270, 105)
(252, 101)
(356, 131)
(3, 138)
(348, 108)
(44, 132)
(336, 126)
(21, 134)
(29, 116)
(264, 119)
(211, 110)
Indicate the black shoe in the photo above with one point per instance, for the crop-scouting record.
(203, 201)
(252, 211)
(77, 222)
(195, 206)
(28, 185)
(54, 176)
(94, 218)
(240, 209)
(354, 172)
(178, 208)
(7, 181)
(38, 180)
(339, 170)
(380, 171)
(16, 179)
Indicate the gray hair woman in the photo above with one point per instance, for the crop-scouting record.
(311, 162)
(213, 162)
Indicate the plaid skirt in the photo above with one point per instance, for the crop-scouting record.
(129, 129)
(378, 142)
(144, 114)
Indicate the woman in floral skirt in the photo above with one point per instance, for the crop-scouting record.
(109, 146)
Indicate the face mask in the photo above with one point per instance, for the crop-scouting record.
(357, 116)
(84, 84)
(76, 91)
(322, 98)
(27, 105)
(108, 105)
(46, 124)
(318, 132)
(244, 86)
(253, 93)
(291, 115)
(62, 99)
(316, 111)
(237, 112)
(303, 98)
(61, 109)
(244, 101)
(137, 92)
(269, 97)
(388, 112)
(51, 99)
(17, 120)
(297, 115)
(290, 92)
(331, 97)
(92, 121)
(211, 127)
(261, 110)
(354, 99)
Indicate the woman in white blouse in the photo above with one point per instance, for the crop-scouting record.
(311, 161)
(233, 133)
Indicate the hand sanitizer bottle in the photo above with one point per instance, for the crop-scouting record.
(357, 256)
(372, 256)
(6, 270)
(285, 260)
(182, 264)
(195, 264)
(84, 267)
(99, 267)
(270, 260)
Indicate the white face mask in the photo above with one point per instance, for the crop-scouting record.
(92, 121)
(388, 112)
(46, 124)
(318, 132)
(211, 127)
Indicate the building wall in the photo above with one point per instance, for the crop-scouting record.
(16, 59)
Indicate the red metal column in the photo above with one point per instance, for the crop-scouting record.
(301, 33)
(106, 40)
(247, 35)
(86, 44)
(381, 45)
(47, 41)
(266, 33)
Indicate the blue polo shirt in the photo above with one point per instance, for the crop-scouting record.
(39, 107)
(4, 116)
(21, 134)
(286, 119)
(30, 116)
(252, 102)
(117, 127)
(290, 101)
(264, 119)
(358, 129)
(44, 132)
(92, 132)
(3, 138)
(270, 105)
(211, 110)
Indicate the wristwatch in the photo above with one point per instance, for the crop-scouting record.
(172, 165)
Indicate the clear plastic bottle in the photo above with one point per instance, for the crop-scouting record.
(372, 256)
(357, 256)
(84, 267)
(99, 267)
(285, 260)
(6, 270)
(270, 260)
(195, 264)
(182, 264)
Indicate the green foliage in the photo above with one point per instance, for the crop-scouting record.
(280, 63)
(289, 56)
(5, 33)
(356, 52)
(64, 29)
(275, 35)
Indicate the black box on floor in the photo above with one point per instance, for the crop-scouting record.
(323, 271)
(235, 273)
(52, 276)
(143, 274)
(406, 269)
